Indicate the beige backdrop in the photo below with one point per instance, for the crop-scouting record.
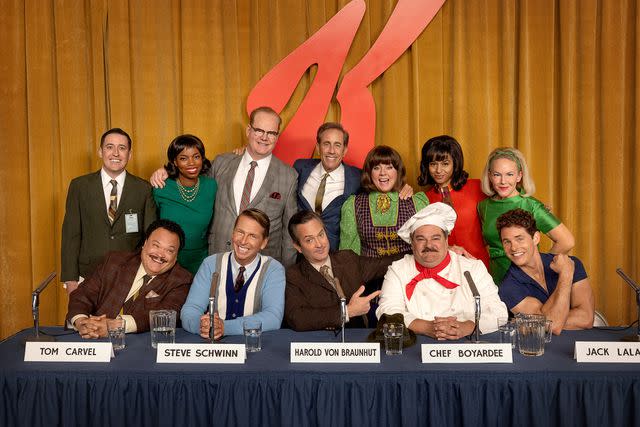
(557, 79)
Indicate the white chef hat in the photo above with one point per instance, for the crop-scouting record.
(438, 214)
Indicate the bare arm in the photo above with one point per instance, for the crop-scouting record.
(556, 308)
(563, 240)
(582, 306)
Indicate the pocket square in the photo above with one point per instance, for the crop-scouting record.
(275, 195)
(151, 294)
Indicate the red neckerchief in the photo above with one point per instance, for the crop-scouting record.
(431, 273)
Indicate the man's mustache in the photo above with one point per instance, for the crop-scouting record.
(428, 249)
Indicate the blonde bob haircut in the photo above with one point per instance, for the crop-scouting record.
(526, 185)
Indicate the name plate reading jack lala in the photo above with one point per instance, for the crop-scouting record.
(201, 353)
(323, 352)
(467, 353)
(67, 351)
(607, 352)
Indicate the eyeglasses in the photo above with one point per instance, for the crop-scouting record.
(271, 135)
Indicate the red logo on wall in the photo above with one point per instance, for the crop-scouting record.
(328, 49)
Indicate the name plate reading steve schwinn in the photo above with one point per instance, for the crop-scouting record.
(35, 351)
(324, 352)
(607, 352)
(467, 353)
(201, 353)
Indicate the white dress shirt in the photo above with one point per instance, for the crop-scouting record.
(431, 299)
(106, 186)
(241, 176)
(334, 186)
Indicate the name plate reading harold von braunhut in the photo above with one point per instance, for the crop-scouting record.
(201, 353)
(323, 352)
(467, 353)
(67, 351)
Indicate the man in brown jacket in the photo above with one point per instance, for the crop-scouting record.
(312, 295)
(131, 284)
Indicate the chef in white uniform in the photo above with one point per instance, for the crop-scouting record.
(429, 288)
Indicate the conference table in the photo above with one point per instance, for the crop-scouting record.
(134, 390)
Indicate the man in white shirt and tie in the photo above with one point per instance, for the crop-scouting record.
(325, 183)
(107, 210)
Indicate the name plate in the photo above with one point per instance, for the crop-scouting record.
(467, 353)
(607, 352)
(323, 352)
(201, 353)
(67, 351)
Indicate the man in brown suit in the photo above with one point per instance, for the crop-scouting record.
(131, 284)
(312, 301)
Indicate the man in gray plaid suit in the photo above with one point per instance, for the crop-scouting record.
(256, 179)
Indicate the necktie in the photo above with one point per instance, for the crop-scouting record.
(113, 201)
(320, 193)
(239, 279)
(446, 196)
(248, 183)
(431, 273)
(324, 270)
(145, 279)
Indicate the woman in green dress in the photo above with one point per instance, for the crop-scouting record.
(188, 197)
(369, 221)
(507, 182)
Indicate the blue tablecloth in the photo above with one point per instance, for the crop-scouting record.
(133, 390)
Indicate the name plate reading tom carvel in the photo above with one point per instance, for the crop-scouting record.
(201, 353)
(323, 352)
(467, 353)
(607, 352)
(35, 351)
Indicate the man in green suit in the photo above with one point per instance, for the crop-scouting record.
(107, 210)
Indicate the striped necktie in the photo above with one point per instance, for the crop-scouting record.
(113, 201)
(248, 183)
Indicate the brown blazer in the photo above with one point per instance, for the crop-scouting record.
(311, 303)
(107, 287)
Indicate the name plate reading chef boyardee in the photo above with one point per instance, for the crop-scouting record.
(607, 352)
(323, 352)
(201, 353)
(467, 353)
(67, 351)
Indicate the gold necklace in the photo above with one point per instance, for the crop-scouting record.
(188, 194)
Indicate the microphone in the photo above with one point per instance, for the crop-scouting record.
(35, 310)
(635, 287)
(477, 309)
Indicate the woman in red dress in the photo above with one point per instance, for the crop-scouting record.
(442, 171)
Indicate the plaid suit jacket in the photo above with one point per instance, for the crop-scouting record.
(276, 197)
(105, 290)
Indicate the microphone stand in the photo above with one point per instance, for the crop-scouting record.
(477, 307)
(212, 305)
(343, 315)
(35, 311)
(636, 288)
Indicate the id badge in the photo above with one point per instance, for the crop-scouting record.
(131, 222)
